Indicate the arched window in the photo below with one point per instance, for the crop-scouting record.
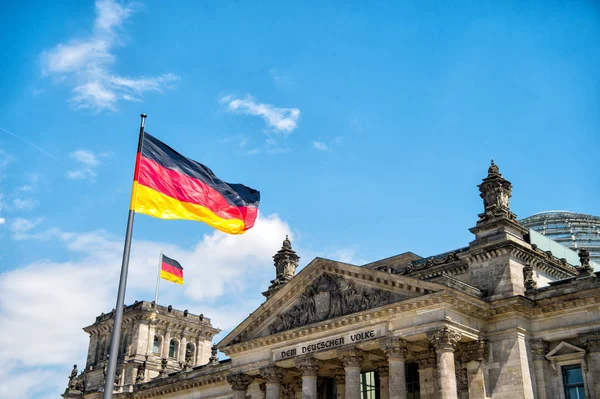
(156, 345)
(173, 347)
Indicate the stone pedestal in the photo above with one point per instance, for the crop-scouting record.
(239, 384)
(309, 368)
(444, 341)
(352, 359)
(272, 376)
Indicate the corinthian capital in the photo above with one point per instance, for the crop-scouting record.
(308, 365)
(394, 348)
(591, 340)
(239, 382)
(351, 357)
(272, 374)
(538, 348)
(444, 339)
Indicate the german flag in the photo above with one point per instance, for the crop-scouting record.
(171, 270)
(168, 185)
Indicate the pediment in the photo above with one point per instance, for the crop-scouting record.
(565, 349)
(326, 290)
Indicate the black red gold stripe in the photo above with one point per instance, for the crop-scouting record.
(171, 270)
(168, 185)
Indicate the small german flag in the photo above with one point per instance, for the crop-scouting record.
(171, 270)
(167, 185)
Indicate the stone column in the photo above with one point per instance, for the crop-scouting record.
(182, 345)
(538, 350)
(340, 382)
(166, 343)
(592, 343)
(239, 384)
(473, 355)
(352, 359)
(384, 381)
(272, 376)
(396, 350)
(427, 374)
(309, 367)
(444, 340)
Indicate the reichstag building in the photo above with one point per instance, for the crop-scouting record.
(501, 317)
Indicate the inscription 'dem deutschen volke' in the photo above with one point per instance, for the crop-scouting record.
(325, 344)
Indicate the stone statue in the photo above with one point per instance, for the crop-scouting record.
(584, 257)
(495, 191)
(141, 373)
(73, 377)
(213, 360)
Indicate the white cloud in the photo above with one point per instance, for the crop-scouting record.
(224, 276)
(20, 228)
(87, 163)
(319, 145)
(283, 120)
(21, 204)
(85, 64)
(2, 220)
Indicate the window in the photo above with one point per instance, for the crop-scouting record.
(369, 385)
(573, 382)
(173, 346)
(156, 345)
(412, 381)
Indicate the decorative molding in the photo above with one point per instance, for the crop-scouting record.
(329, 297)
(309, 366)
(272, 374)
(239, 382)
(591, 340)
(351, 357)
(426, 359)
(538, 348)
(444, 339)
(474, 351)
(394, 348)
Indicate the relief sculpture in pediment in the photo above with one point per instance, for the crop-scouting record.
(328, 297)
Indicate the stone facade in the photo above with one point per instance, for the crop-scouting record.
(497, 318)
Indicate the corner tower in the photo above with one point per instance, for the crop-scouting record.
(155, 340)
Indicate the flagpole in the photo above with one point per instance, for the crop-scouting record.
(116, 333)
(158, 279)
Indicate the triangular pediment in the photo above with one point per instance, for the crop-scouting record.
(565, 348)
(326, 290)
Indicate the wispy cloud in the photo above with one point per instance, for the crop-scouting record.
(327, 144)
(281, 120)
(87, 162)
(281, 80)
(85, 64)
(319, 145)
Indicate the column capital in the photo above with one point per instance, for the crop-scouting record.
(591, 340)
(444, 339)
(351, 357)
(272, 374)
(426, 359)
(394, 347)
(239, 382)
(340, 376)
(538, 348)
(474, 351)
(308, 365)
(383, 368)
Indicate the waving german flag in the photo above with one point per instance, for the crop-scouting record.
(168, 185)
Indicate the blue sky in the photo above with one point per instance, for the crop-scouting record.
(365, 127)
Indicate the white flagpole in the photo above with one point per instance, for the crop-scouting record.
(158, 277)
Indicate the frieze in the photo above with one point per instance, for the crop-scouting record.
(431, 262)
(329, 297)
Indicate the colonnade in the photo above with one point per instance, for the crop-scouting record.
(437, 374)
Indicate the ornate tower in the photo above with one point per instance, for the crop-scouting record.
(286, 262)
(497, 218)
(156, 340)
